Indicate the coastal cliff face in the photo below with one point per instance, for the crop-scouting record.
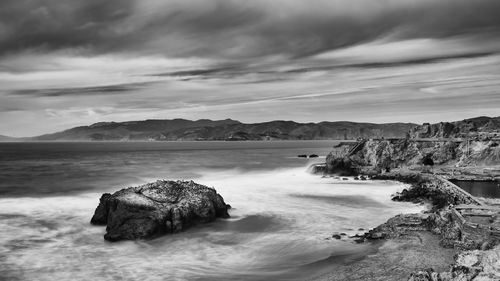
(157, 208)
(406, 152)
(388, 154)
(480, 126)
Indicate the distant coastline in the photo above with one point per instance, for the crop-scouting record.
(233, 130)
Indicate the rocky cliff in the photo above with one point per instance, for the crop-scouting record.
(157, 208)
(388, 154)
(474, 127)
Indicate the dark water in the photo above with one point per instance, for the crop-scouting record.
(277, 231)
(486, 189)
(54, 167)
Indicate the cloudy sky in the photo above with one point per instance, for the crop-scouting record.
(73, 62)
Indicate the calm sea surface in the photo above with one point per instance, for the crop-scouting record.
(280, 221)
(486, 189)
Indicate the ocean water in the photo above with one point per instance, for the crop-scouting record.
(280, 226)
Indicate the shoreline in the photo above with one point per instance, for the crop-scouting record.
(431, 245)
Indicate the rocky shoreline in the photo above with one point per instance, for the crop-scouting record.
(436, 245)
(475, 250)
(454, 221)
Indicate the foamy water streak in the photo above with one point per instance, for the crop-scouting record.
(279, 221)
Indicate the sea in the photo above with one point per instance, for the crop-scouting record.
(281, 225)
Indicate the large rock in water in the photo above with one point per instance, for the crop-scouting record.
(157, 208)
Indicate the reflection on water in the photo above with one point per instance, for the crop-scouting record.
(277, 230)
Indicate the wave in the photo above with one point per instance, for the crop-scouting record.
(280, 221)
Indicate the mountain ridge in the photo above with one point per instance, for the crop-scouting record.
(227, 129)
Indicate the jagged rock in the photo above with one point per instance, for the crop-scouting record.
(157, 208)
(468, 127)
(386, 155)
(341, 166)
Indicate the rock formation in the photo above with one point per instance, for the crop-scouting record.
(477, 261)
(157, 208)
(474, 127)
(382, 155)
(342, 166)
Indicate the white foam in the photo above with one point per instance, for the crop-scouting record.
(54, 234)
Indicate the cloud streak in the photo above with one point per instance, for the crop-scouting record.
(83, 91)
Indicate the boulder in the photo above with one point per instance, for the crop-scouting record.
(157, 208)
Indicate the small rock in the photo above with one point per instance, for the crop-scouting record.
(359, 240)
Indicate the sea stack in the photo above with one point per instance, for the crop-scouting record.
(158, 208)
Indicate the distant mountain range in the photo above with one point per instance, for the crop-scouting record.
(232, 130)
(181, 129)
(6, 138)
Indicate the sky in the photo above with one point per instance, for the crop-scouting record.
(71, 63)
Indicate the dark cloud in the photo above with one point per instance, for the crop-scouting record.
(233, 29)
(397, 63)
(82, 91)
(51, 24)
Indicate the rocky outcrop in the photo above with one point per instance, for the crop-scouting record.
(157, 208)
(406, 152)
(344, 166)
(476, 259)
(439, 220)
(427, 188)
(477, 127)
(385, 155)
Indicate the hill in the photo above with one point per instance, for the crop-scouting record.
(7, 138)
(204, 129)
